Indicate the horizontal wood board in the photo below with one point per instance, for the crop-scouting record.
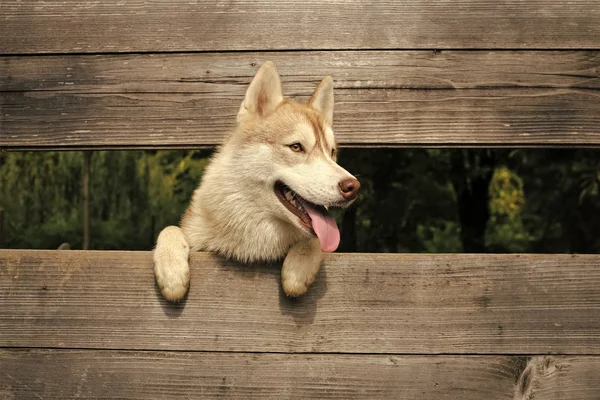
(180, 25)
(65, 374)
(383, 98)
(361, 303)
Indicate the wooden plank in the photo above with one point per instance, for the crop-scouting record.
(230, 73)
(181, 25)
(361, 303)
(383, 98)
(52, 374)
(398, 118)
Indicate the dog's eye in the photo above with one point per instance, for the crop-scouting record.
(296, 147)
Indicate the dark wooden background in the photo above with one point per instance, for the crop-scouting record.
(157, 74)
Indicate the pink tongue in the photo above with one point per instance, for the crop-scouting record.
(324, 226)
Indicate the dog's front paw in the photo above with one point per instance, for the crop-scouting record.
(174, 286)
(171, 266)
(293, 286)
(300, 267)
(172, 276)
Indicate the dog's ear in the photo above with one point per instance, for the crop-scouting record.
(322, 99)
(264, 93)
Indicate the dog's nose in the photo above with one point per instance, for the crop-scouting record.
(349, 188)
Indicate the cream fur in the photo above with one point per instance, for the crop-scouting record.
(235, 212)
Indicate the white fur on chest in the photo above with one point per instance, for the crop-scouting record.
(227, 214)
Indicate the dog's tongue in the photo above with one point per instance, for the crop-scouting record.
(324, 226)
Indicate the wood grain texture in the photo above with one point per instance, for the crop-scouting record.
(231, 72)
(382, 98)
(178, 25)
(361, 303)
(363, 118)
(65, 374)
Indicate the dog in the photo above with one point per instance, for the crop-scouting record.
(266, 192)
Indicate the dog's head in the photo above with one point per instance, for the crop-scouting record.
(290, 148)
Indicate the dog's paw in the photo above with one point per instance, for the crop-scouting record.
(173, 278)
(300, 267)
(171, 266)
(294, 287)
(174, 288)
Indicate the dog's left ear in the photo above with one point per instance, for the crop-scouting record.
(322, 99)
(264, 93)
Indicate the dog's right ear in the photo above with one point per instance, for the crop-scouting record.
(263, 95)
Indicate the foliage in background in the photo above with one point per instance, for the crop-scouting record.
(412, 200)
(506, 230)
(133, 194)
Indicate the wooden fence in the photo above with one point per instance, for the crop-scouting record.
(154, 74)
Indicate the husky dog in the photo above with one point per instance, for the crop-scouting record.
(266, 191)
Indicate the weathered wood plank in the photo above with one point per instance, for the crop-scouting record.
(228, 73)
(64, 374)
(149, 101)
(134, 26)
(397, 118)
(361, 303)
